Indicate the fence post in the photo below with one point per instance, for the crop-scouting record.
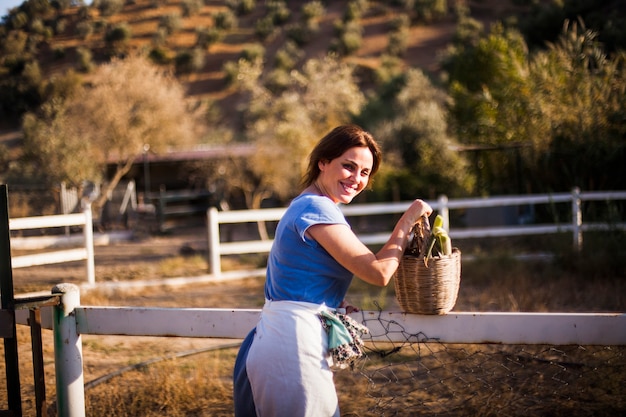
(7, 303)
(68, 354)
(577, 219)
(214, 241)
(88, 233)
(444, 211)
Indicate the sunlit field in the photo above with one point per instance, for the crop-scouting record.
(147, 376)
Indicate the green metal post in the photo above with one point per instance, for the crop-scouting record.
(68, 353)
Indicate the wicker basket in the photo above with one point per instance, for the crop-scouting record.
(430, 288)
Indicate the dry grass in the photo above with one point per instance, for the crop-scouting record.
(196, 386)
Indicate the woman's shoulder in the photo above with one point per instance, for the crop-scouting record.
(315, 207)
(313, 202)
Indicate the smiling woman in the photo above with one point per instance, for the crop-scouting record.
(284, 365)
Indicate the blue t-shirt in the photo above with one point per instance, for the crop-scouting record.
(299, 268)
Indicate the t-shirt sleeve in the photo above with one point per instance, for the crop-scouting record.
(319, 210)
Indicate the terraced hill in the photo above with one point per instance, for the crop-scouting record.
(425, 41)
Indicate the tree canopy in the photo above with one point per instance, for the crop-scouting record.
(128, 107)
(539, 121)
(421, 156)
(286, 124)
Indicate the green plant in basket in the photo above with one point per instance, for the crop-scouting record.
(438, 236)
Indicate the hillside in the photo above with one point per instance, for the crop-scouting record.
(424, 42)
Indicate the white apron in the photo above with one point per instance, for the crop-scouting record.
(288, 363)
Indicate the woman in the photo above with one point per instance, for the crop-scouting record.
(283, 365)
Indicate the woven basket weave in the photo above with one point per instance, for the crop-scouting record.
(430, 288)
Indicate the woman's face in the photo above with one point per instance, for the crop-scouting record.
(343, 178)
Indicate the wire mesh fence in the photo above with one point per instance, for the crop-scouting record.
(421, 376)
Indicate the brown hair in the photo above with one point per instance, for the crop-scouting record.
(334, 144)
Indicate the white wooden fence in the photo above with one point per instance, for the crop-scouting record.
(217, 218)
(85, 252)
(442, 206)
(70, 320)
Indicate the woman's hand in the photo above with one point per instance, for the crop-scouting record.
(417, 210)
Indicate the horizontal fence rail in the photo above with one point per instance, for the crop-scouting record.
(216, 218)
(86, 252)
(455, 327)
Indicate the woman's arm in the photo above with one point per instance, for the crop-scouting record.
(374, 268)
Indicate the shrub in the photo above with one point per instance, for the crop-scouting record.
(287, 56)
(398, 42)
(225, 20)
(84, 13)
(84, 59)
(32, 73)
(84, 29)
(278, 12)
(241, 7)
(19, 20)
(431, 10)
(118, 33)
(160, 36)
(349, 37)
(191, 7)
(362, 5)
(264, 27)
(170, 22)
(60, 26)
(62, 86)
(117, 38)
(189, 61)
(231, 72)
(205, 37)
(350, 42)
(399, 22)
(353, 12)
(108, 7)
(390, 67)
(253, 52)
(313, 10)
(36, 26)
(301, 33)
(277, 81)
(159, 55)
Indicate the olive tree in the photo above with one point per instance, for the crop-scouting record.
(548, 120)
(494, 112)
(127, 106)
(581, 90)
(284, 125)
(421, 156)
